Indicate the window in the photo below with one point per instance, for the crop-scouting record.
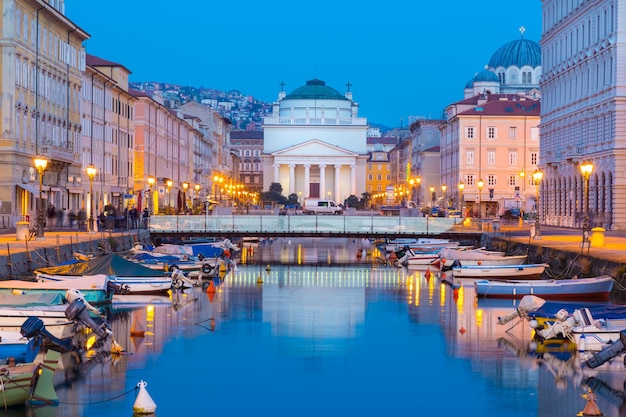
(469, 132)
(470, 180)
(491, 158)
(470, 158)
(533, 158)
(369, 167)
(512, 158)
(379, 177)
(513, 132)
(491, 180)
(512, 180)
(534, 133)
(491, 132)
(370, 177)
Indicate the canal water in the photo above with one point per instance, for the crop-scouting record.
(327, 333)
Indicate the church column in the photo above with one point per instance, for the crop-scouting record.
(337, 195)
(292, 178)
(307, 180)
(353, 179)
(322, 181)
(277, 173)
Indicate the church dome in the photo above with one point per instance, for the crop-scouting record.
(517, 53)
(483, 76)
(315, 90)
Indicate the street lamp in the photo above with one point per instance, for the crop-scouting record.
(197, 198)
(151, 181)
(185, 186)
(586, 169)
(461, 188)
(91, 173)
(418, 181)
(480, 185)
(444, 187)
(432, 197)
(537, 176)
(169, 184)
(40, 163)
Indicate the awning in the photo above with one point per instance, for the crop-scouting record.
(33, 190)
(73, 190)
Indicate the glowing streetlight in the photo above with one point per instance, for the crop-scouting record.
(480, 185)
(91, 173)
(537, 176)
(40, 163)
(151, 181)
(586, 168)
(197, 187)
(432, 196)
(461, 188)
(444, 187)
(185, 186)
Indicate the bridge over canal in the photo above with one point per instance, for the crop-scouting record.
(186, 226)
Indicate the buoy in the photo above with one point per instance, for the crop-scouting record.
(428, 273)
(137, 329)
(462, 330)
(591, 408)
(143, 403)
(455, 292)
(392, 256)
(267, 268)
(359, 253)
(259, 280)
(211, 287)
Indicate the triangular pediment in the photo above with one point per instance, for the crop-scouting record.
(314, 147)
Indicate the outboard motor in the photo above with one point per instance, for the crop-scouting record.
(614, 349)
(77, 311)
(33, 328)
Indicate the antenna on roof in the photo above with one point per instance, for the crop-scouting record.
(522, 30)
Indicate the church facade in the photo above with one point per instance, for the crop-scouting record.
(315, 144)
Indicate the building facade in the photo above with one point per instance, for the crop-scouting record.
(42, 63)
(315, 143)
(583, 114)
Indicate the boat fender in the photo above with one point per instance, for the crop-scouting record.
(206, 268)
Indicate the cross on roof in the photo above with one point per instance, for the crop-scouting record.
(348, 85)
(282, 86)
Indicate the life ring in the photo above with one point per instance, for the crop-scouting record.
(206, 268)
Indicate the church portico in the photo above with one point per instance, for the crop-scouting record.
(310, 157)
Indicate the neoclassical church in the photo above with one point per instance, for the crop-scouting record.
(515, 68)
(315, 143)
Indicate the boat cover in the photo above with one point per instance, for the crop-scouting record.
(110, 264)
(31, 300)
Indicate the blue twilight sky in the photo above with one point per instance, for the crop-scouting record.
(403, 57)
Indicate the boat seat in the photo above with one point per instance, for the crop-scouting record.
(583, 316)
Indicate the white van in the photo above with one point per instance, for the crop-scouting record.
(319, 206)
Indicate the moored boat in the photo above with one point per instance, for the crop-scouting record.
(500, 272)
(588, 289)
(96, 289)
(29, 383)
(449, 256)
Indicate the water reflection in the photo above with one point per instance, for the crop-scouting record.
(341, 338)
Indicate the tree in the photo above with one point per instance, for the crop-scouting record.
(292, 199)
(351, 201)
(275, 187)
(366, 199)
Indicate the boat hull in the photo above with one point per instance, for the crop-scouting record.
(95, 288)
(582, 289)
(500, 272)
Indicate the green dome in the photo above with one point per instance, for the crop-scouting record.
(517, 53)
(315, 90)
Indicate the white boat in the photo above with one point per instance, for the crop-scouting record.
(419, 244)
(95, 288)
(500, 272)
(411, 257)
(587, 289)
(478, 257)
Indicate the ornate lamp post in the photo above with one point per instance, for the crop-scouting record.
(432, 197)
(151, 181)
(169, 184)
(185, 186)
(40, 163)
(444, 187)
(586, 169)
(461, 188)
(537, 176)
(480, 185)
(91, 173)
(196, 199)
